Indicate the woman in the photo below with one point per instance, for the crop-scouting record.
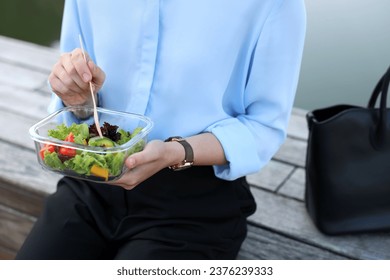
(220, 74)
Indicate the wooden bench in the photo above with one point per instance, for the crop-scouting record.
(280, 228)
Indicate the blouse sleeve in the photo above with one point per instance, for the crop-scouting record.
(251, 139)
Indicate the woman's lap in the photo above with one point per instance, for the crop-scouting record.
(96, 221)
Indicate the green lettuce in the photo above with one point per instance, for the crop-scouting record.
(80, 131)
(52, 160)
(127, 136)
(115, 163)
(83, 161)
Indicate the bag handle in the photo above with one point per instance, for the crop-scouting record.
(375, 93)
(382, 88)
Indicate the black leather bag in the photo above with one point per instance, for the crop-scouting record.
(348, 166)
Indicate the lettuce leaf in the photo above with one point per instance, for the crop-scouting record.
(83, 162)
(52, 160)
(115, 163)
(80, 131)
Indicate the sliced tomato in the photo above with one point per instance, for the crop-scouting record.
(70, 137)
(69, 152)
(46, 147)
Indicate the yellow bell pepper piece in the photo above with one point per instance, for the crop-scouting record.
(99, 171)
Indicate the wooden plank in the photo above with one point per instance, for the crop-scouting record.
(6, 254)
(295, 186)
(262, 244)
(29, 103)
(21, 77)
(44, 90)
(14, 228)
(271, 176)
(27, 54)
(19, 167)
(17, 133)
(289, 217)
(293, 151)
(21, 200)
(297, 127)
(299, 112)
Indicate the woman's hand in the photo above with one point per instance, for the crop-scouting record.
(70, 78)
(156, 156)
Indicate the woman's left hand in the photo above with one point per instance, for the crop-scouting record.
(158, 155)
(155, 156)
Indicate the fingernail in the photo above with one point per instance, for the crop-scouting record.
(86, 77)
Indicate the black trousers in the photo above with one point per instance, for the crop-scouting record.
(189, 214)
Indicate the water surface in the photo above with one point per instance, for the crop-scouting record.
(347, 50)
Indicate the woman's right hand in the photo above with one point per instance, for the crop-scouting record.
(70, 78)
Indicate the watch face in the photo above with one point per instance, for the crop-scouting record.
(181, 166)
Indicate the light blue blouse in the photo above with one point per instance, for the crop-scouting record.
(229, 67)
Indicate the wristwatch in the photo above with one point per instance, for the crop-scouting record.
(189, 154)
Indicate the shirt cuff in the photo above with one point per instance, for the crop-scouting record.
(239, 147)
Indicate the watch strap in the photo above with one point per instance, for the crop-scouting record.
(188, 153)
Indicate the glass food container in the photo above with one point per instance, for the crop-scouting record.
(68, 145)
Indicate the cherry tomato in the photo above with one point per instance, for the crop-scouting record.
(46, 147)
(69, 152)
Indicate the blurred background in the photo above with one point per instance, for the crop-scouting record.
(347, 49)
(347, 44)
(37, 21)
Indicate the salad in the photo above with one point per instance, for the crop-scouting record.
(101, 164)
